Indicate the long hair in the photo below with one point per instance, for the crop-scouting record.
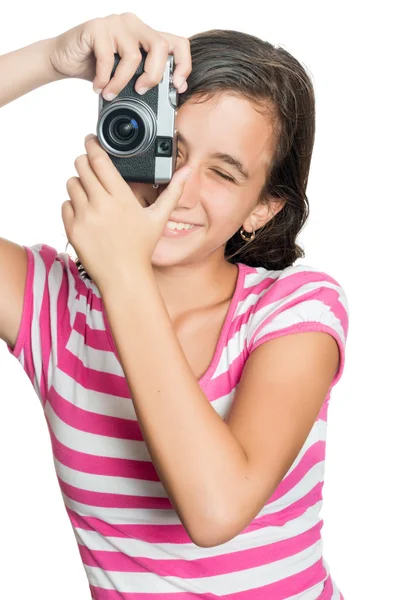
(275, 83)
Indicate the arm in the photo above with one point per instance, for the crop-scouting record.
(188, 442)
(25, 70)
(217, 474)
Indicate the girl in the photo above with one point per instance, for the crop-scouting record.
(185, 371)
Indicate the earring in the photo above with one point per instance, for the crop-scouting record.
(244, 234)
(155, 185)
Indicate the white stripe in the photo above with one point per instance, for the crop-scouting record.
(317, 434)
(311, 594)
(304, 310)
(95, 444)
(90, 400)
(256, 577)
(72, 291)
(135, 487)
(93, 318)
(55, 278)
(99, 360)
(171, 551)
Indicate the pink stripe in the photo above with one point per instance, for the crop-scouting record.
(95, 423)
(105, 383)
(27, 307)
(23, 338)
(279, 590)
(211, 566)
(94, 338)
(224, 383)
(116, 500)
(176, 534)
(101, 465)
(294, 510)
(313, 455)
(323, 413)
(327, 591)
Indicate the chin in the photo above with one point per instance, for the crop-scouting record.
(168, 256)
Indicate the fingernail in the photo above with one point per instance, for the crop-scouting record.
(142, 90)
(98, 90)
(109, 96)
(179, 82)
(89, 137)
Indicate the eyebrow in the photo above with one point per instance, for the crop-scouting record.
(230, 160)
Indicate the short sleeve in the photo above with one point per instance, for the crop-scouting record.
(301, 299)
(50, 303)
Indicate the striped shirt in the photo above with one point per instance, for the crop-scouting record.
(131, 541)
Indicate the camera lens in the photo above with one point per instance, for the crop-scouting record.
(127, 128)
(124, 129)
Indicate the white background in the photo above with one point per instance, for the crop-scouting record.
(352, 233)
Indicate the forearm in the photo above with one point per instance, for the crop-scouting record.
(199, 461)
(26, 69)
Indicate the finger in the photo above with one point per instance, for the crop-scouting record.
(68, 216)
(104, 53)
(67, 212)
(126, 68)
(156, 46)
(167, 200)
(154, 65)
(88, 177)
(107, 175)
(78, 196)
(180, 48)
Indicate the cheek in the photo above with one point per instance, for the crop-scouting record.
(226, 207)
(225, 217)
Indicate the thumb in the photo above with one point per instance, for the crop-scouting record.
(167, 200)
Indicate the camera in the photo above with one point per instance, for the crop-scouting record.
(138, 132)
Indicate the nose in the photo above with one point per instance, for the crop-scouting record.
(190, 194)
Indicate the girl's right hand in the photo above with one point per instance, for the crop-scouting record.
(87, 52)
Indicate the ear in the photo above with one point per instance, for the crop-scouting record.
(263, 212)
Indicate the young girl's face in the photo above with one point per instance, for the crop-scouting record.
(217, 195)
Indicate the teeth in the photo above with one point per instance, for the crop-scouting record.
(173, 225)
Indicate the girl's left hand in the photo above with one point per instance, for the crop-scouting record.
(111, 232)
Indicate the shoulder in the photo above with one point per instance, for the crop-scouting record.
(50, 257)
(296, 294)
(297, 299)
(55, 275)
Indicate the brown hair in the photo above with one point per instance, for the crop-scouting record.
(269, 77)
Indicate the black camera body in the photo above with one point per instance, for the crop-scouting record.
(138, 132)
